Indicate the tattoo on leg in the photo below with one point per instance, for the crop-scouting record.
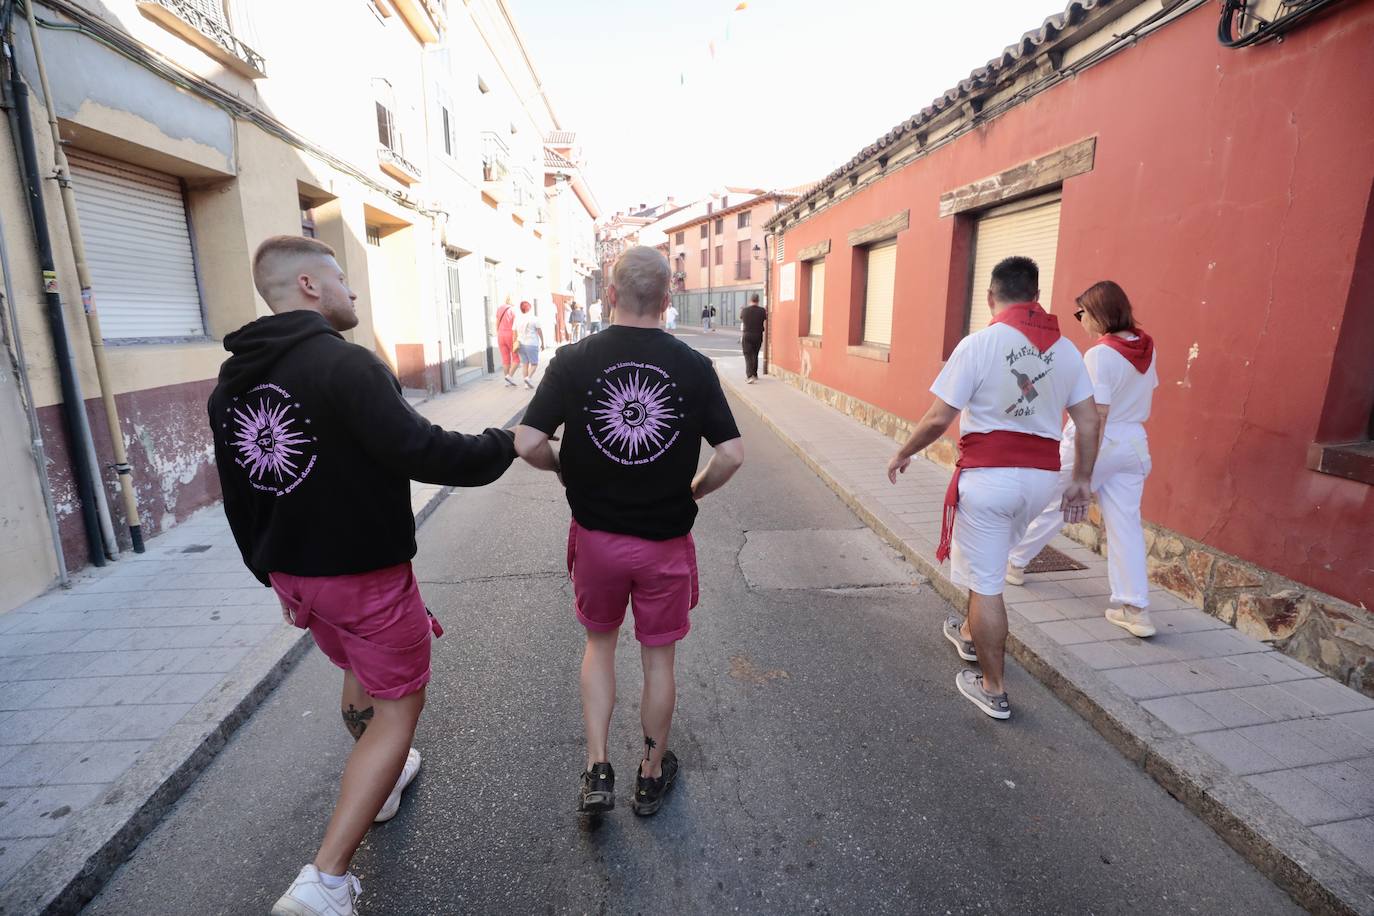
(649, 745)
(356, 720)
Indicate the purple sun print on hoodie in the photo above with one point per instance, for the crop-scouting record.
(266, 441)
(635, 417)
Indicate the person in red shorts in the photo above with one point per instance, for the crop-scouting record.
(505, 340)
(635, 403)
(315, 449)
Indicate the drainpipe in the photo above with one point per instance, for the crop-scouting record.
(83, 273)
(767, 302)
(73, 407)
(14, 342)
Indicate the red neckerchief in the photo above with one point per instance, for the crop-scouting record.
(1040, 327)
(1139, 352)
(1000, 448)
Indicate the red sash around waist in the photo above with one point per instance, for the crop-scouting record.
(1000, 448)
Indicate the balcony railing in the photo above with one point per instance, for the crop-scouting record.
(495, 157)
(397, 166)
(206, 31)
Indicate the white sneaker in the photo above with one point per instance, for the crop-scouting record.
(308, 896)
(1135, 622)
(1016, 575)
(408, 774)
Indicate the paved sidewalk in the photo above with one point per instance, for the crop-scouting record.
(1274, 755)
(115, 693)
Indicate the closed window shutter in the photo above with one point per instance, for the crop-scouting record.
(882, 278)
(817, 307)
(1029, 228)
(139, 249)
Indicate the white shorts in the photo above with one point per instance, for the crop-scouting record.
(996, 505)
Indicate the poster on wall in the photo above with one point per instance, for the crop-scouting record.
(787, 282)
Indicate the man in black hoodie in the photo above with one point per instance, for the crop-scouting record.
(316, 449)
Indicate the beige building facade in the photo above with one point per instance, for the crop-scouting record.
(409, 135)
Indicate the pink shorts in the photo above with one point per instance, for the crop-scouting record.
(374, 624)
(659, 578)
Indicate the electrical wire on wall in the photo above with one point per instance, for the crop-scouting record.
(1241, 26)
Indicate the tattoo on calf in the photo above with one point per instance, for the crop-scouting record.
(649, 745)
(356, 720)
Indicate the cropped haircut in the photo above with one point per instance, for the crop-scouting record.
(641, 280)
(1015, 279)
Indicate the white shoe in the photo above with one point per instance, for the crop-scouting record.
(1016, 575)
(1135, 622)
(529, 384)
(308, 896)
(408, 774)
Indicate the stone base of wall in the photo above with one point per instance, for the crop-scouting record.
(1333, 636)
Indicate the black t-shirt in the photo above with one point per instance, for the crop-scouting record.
(635, 404)
(753, 318)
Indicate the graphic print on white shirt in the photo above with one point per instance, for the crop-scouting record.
(1002, 382)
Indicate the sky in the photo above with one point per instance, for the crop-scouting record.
(793, 90)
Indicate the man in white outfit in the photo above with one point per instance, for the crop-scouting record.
(1012, 382)
(1122, 368)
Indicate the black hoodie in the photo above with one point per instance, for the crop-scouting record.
(316, 449)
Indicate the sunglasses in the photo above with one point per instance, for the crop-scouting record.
(1078, 315)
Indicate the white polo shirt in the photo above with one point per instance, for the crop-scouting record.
(1001, 381)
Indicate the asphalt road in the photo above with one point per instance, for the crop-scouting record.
(828, 764)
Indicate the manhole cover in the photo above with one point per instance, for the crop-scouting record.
(196, 548)
(1051, 560)
(811, 558)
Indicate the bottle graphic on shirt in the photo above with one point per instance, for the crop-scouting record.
(1027, 387)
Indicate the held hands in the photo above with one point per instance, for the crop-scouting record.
(897, 465)
(1076, 499)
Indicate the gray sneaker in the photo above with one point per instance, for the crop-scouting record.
(970, 684)
(963, 646)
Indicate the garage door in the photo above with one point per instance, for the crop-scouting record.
(133, 221)
(1029, 228)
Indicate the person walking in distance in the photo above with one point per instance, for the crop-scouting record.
(1121, 366)
(577, 321)
(670, 318)
(530, 338)
(1012, 381)
(753, 318)
(315, 449)
(708, 315)
(634, 403)
(505, 339)
(594, 317)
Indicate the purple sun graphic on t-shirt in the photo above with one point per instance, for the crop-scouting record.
(635, 414)
(266, 441)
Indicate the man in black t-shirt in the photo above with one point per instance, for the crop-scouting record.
(753, 318)
(634, 403)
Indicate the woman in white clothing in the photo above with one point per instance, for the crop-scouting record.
(1122, 368)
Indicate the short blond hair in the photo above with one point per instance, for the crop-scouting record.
(275, 254)
(641, 279)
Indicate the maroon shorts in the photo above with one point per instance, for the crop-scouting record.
(658, 578)
(374, 624)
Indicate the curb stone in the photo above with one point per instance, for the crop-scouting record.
(1316, 875)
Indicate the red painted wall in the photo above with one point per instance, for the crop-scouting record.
(1228, 197)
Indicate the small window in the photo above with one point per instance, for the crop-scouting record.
(744, 261)
(705, 229)
(720, 225)
(448, 131)
(704, 255)
(374, 235)
(879, 284)
(742, 221)
(815, 306)
(307, 219)
(720, 255)
(681, 236)
(725, 201)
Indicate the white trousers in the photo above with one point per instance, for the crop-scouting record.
(995, 507)
(1118, 480)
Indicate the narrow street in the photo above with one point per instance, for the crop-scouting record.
(828, 764)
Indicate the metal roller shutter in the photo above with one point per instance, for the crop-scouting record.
(817, 304)
(138, 245)
(1029, 228)
(882, 278)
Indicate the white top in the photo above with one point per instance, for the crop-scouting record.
(594, 311)
(527, 329)
(1000, 381)
(1117, 383)
(671, 314)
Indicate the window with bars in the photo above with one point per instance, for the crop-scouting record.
(742, 221)
(307, 219)
(743, 260)
(374, 235)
